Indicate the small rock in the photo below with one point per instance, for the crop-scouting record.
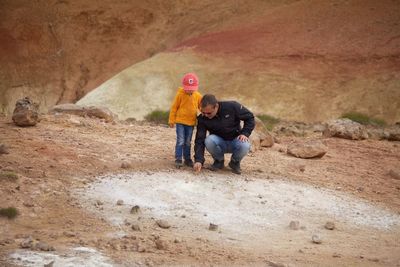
(213, 227)
(336, 255)
(163, 224)
(99, 203)
(50, 264)
(27, 243)
(3, 149)
(316, 239)
(69, 234)
(161, 244)
(28, 204)
(126, 165)
(135, 209)
(44, 247)
(177, 240)
(294, 225)
(120, 202)
(274, 264)
(394, 174)
(136, 227)
(329, 225)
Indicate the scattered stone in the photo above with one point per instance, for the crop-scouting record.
(316, 239)
(336, 255)
(161, 244)
(345, 128)
(73, 109)
(329, 225)
(163, 224)
(394, 174)
(120, 202)
(44, 247)
(50, 264)
(177, 240)
(3, 149)
(28, 204)
(308, 149)
(294, 225)
(126, 165)
(26, 113)
(213, 227)
(135, 209)
(274, 264)
(69, 234)
(302, 168)
(360, 189)
(27, 243)
(136, 227)
(99, 203)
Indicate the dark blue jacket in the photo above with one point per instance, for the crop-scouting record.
(225, 124)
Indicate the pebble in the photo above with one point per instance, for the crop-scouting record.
(329, 225)
(213, 227)
(135, 209)
(316, 239)
(163, 224)
(294, 225)
(120, 202)
(136, 227)
(161, 244)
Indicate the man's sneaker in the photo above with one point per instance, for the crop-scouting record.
(217, 165)
(189, 162)
(235, 166)
(178, 163)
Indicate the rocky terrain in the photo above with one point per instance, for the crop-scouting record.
(62, 164)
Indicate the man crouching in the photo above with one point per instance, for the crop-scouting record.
(222, 120)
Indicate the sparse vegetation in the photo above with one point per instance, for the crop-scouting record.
(8, 175)
(9, 212)
(158, 116)
(268, 120)
(363, 119)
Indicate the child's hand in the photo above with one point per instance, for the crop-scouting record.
(171, 125)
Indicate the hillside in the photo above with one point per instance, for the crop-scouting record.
(306, 61)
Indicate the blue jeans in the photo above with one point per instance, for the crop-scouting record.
(183, 139)
(218, 147)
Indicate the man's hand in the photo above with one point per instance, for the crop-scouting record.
(171, 125)
(197, 166)
(243, 138)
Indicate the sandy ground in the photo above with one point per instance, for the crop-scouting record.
(70, 179)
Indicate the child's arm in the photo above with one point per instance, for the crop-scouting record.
(174, 108)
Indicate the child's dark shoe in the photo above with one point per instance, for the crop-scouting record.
(178, 163)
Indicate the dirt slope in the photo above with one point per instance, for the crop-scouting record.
(305, 61)
(56, 51)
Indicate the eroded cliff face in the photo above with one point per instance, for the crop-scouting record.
(56, 51)
(308, 60)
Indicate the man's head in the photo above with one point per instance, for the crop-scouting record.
(209, 106)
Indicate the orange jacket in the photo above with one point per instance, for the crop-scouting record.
(184, 108)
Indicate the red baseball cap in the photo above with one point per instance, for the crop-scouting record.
(190, 82)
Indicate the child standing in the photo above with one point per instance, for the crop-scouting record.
(183, 114)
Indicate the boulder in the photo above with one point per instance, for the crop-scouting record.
(97, 112)
(345, 128)
(26, 113)
(308, 149)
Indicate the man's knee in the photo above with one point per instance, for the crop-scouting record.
(211, 141)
